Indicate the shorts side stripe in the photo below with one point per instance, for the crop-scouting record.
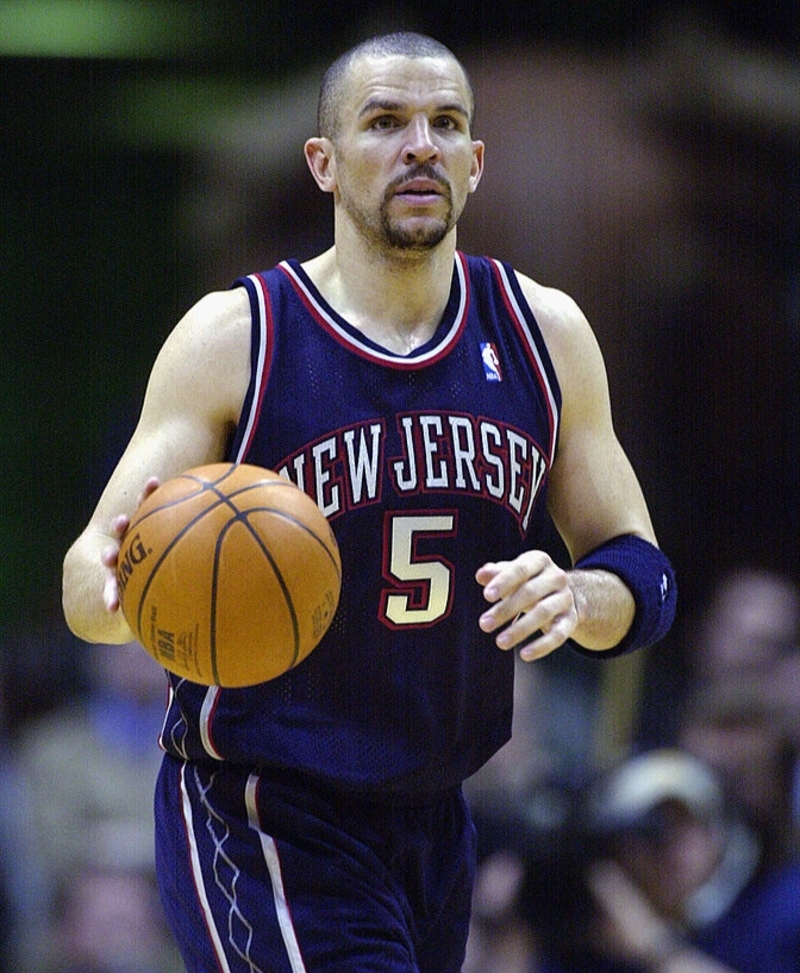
(197, 875)
(272, 859)
(206, 718)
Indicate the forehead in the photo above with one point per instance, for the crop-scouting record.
(396, 78)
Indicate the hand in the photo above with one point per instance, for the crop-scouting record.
(632, 928)
(531, 596)
(109, 555)
(633, 931)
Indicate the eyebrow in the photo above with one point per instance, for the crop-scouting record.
(381, 104)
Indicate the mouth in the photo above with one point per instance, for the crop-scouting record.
(420, 191)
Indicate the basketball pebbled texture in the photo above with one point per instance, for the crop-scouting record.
(229, 575)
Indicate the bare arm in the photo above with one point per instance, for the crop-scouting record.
(636, 933)
(593, 496)
(192, 404)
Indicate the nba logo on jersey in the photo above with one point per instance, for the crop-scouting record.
(491, 363)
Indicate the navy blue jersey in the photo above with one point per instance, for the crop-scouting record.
(427, 465)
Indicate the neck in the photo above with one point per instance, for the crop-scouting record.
(397, 298)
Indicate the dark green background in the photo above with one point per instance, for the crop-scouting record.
(96, 270)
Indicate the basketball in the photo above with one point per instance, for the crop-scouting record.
(229, 575)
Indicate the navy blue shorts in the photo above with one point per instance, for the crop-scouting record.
(261, 875)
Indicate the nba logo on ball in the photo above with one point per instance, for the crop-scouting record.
(491, 362)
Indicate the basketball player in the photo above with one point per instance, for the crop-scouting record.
(438, 408)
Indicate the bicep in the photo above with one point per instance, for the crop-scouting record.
(594, 493)
(191, 404)
(194, 394)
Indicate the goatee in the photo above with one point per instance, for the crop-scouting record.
(428, 234)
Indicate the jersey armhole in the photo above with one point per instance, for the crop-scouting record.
(261, 347)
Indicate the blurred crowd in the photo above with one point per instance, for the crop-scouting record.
(681, 858)
(77, 776)
(644, 816)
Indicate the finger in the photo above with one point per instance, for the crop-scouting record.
(542, 629)
(536, 638)
(111, 594)
(486, 575)
(153, 483)
(509, 577)
(542, 645)
(522, 594)
(119, 525)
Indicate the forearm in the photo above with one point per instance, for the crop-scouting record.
(85, 581)
(645, 572)
(639, 934)
(605, 608)
(675, 955)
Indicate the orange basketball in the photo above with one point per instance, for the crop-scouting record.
(229, 575)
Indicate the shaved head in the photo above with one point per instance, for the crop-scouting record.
(404, 43)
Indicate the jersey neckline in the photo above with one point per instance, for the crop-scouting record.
(441, 342)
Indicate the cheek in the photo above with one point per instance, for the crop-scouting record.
(360, 182)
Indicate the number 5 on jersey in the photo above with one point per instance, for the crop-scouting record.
(422, 583)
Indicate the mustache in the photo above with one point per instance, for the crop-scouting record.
(422, 171)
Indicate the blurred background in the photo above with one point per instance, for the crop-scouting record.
(642, 156)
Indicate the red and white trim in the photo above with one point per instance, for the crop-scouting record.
(206, 719)
(260, 366)
(517, 314)
(273, 863)
(197, 875)
(329, 321)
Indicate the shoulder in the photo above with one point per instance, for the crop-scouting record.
(214, 331)
(556, 313)
(559, 316)
(217, 313)
(206, 357)
(570, 339)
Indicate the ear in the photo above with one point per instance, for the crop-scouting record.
(477, 165)
(319, 156)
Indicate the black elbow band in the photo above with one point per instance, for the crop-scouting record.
(647, 572)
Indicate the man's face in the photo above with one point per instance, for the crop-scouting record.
(403, 158)
(673, 859)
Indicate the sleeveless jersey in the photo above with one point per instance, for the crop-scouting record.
(427, 465)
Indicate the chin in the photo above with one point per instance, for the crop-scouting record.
(416, 237)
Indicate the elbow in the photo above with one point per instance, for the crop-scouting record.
(71, 604)
(82, 601)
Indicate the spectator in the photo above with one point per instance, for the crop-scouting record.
(739, 728)
(515, 838)
(752, 621)
(107, 918)
(87, 771)
(744, 705)
(656, 863)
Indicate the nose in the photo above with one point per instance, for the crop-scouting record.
(420, 144)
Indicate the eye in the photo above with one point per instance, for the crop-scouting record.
(447, 123)
(383, 123)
